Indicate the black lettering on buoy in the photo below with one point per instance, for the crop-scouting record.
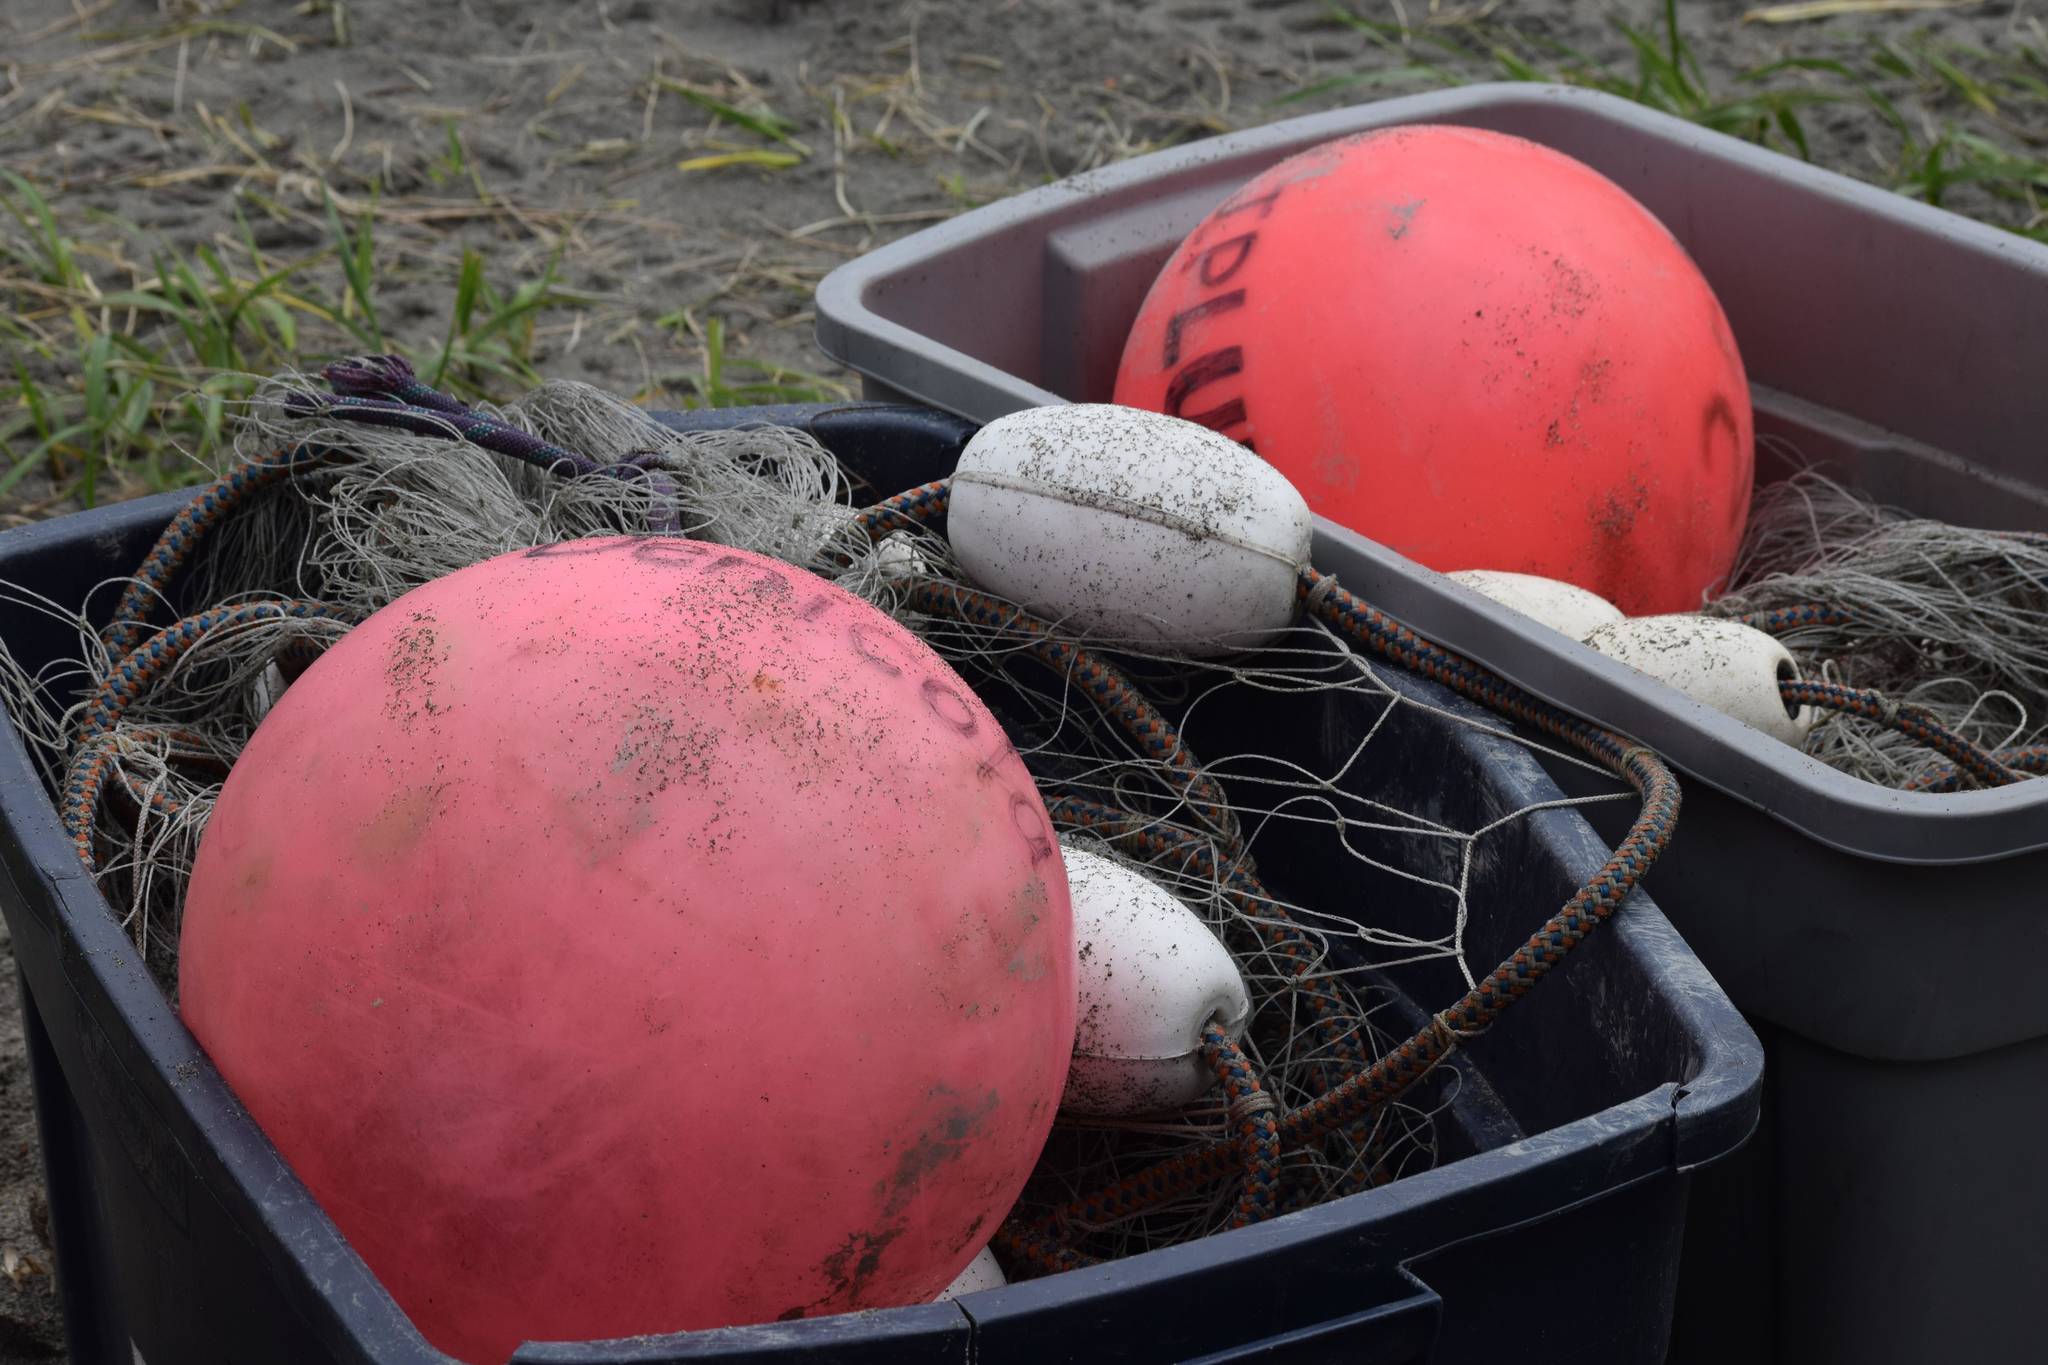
(957, 714)
(572, 549)
(818, 607)
(668, 549)
(1199, 372)
(1222, 303)
(1207, 260)
(1222, 418)
(856, 634)
(766, 576)
(1204, 370)
(1030, 822)
(996, 757)
(1264, 203)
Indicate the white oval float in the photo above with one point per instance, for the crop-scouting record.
(1724, 664)
(1150, 975)
(982, 1273)
(1131, 526)
(1566, 607)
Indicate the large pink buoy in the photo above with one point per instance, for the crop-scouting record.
(1472, 348)
(637, 935)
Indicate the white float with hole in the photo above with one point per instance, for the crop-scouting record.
(1150, 975)
(1731, 667)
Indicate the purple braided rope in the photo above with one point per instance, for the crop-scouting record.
(472, 427)
(383, 391)
(390, 376)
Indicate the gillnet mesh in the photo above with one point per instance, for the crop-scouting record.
(335, 517)
(1948, 619)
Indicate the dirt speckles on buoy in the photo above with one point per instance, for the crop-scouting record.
(415, 658)
(701, 827)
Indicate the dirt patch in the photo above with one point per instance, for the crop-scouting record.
(533, 135)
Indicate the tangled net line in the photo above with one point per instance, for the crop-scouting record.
(1937, 633)
(345, 500)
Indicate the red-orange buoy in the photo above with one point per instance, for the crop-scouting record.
(1471, 348)
(637, 935)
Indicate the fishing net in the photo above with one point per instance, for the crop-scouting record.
(1949, 621)
(343, 500)
(346, 496)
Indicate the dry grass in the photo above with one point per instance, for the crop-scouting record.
(127, 346)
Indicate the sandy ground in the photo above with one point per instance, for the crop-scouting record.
(156, 123)
(572, 144)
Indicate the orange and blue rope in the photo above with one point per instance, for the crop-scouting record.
(129, 679)
(1043, 1244)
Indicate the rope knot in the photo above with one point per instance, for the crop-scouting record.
(1312, 601)
(1447, 1035)
(1250, 1105)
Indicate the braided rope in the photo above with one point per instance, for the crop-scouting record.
(1350, 1101)
(390, 376)
(211, 506)
(1414, 1059)
(1041, 1245)
(920, 506)
(1781, 620)
(1255, 1143)
(1037, 1249)
(180, 745)
(1987, 768)
(137, 671)
(2031, 759)
(1119, 700)
(1252, 1110)
(1105, 687)
(1383, 635)
(163, 805)
(1599, 898)
(1914, 722)
(1283, 937)
(1410, 1061)
(1331, 1017)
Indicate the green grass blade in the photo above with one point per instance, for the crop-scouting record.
(765, 122)
(468, 283)
(31, 395)
(1788, 123)
(28, 463)
(354, 251)
(1515, 67)
(1354, 79)
(714, 361)
(56, 265)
